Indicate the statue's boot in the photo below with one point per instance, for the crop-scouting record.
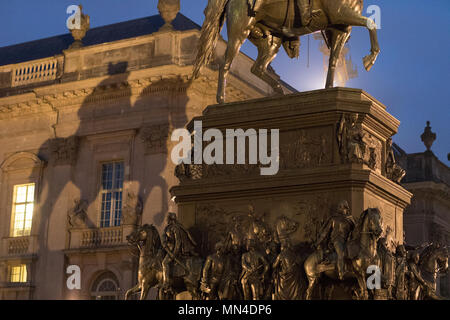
(305, 12)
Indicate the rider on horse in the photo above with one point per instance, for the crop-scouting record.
(304, 7)
(178, 243)
(337, 230)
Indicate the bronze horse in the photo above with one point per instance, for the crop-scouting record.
(433, 261)
(151, 254)
(363, 241)
(274, 25)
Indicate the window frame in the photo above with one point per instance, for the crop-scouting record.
(112, 191)
(23, 272)
(12, 232)
(100, 295)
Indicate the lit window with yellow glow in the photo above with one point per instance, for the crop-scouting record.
(18, 274)
(23, 206)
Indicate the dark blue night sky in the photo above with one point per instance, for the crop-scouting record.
(411, 76)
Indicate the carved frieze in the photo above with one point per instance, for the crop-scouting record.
(305, 148)
(299, 149)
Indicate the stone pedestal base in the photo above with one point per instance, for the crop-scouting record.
(320, 165)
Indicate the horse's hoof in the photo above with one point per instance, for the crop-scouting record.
(220, 99)
(368, 61)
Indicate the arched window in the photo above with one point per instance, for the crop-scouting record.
(105, 287)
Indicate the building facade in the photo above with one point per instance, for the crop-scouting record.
(427, 219)
(85, 149)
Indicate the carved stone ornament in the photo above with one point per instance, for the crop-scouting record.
(64, 151)
(79, 33)
(132, 209)
(350, 135)
(168, 9)
(155, 138)
(393, 171)
(78, 214)
(428, 137)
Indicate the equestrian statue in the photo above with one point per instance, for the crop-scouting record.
(257, 260)
(172, 265)
(270, 24)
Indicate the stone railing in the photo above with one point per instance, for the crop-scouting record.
(37, 71)
(18, 246)
(101, 237)
(92, 238)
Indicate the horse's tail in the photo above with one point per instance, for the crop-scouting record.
(214, 20)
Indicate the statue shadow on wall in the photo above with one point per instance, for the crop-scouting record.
(70, 162)
(164, 104)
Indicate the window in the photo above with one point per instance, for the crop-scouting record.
(18, 274)
(23, 206)
(111, 194)
(105, 287)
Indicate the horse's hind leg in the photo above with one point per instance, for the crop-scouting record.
(235, 43)
(144, 291)
(135, 289)
(239, 25)
(268, 47)
(311, 286)
(337, 43)
(362, 292)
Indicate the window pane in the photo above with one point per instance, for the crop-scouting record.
(107, 176)
(106, 210)
(118, 181)
(117, 208)
(20, 209)
(112, 184)
(23, 273)
(30, 193)
(23, 210)
(21, 194)
(18, 273)
(29, 211)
